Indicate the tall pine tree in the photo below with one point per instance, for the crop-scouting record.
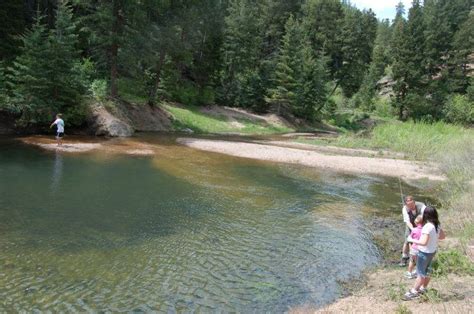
(399, 51)
(29, 85)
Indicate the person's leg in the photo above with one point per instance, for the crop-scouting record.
(405, 249)
(411, 265)
(418, 283)
(421, 269)
(426, 282)
(59, 138)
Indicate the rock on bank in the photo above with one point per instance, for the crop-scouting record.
(123, 119)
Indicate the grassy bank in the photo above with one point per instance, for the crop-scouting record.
(195, 119)
(452, 148)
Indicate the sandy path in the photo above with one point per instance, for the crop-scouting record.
(407, 170)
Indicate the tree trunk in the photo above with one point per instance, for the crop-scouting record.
(114, 49)
(156, 83)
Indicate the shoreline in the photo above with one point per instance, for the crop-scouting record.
(404, 169)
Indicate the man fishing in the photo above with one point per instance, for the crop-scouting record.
(410, 210)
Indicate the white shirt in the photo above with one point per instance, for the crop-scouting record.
(60, 124)
(419, 207)
(432, 244)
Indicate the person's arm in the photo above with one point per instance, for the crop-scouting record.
(406, 218)
(442, 235)
(52, 124)
(423, 239)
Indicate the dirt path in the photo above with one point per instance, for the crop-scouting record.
(407, 170)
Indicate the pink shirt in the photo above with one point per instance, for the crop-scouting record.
(416, 234)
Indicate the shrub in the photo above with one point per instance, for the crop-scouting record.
(98, 89)
(383, 107)
(452, 261)
(459, 109)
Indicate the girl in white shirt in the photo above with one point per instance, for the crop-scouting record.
(427, 246)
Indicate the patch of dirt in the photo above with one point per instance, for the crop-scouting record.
(384, 289)
(407, 170)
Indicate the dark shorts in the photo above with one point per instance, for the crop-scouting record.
(59, 134)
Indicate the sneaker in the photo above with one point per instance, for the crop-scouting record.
(410, 275)
(410, 295)
(423, 290)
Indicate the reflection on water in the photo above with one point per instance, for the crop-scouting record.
(181, 230)
(57, 172)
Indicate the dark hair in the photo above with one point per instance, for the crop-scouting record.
(431, 215)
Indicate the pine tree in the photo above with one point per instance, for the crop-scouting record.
(399, 52)
(415, 42)
(380, 60)
(358, 35)
(299, 85)
(241, 54)
(63, 78)
(312, 92)
(105, 28)
(462, 46)
(44, 79)
(3, 87)
(323, 22)
(12, 23)
(29, 84)
(282, 96)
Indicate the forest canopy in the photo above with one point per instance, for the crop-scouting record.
(305, 58)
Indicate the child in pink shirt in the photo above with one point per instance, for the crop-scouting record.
(415, 234)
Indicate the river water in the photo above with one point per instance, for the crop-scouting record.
(179, 231)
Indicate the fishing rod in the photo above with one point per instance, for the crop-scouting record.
(401, 191)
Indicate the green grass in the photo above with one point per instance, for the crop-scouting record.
(417, 140)
(396, 291)
(452, 261)
(191, 118)
(402, 309)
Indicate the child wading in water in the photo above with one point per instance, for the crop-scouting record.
(59, 122)
(415, 234)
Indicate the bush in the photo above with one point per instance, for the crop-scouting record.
(459, 109)
(383, 107)
(452, 261)
(98, 89)
(186, 94)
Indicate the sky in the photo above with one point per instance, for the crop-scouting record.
(384, 9)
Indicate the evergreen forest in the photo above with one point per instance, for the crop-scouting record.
(307, 59)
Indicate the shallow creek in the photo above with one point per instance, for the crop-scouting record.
(178, 229)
